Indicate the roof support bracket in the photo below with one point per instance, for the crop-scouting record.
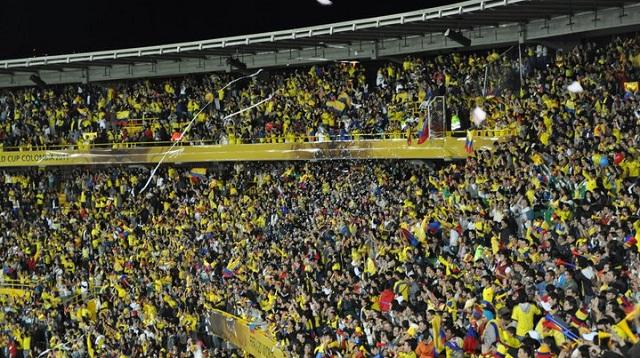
(622, 12)
(595, 18)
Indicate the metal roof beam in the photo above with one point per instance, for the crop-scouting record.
(349, 38)
(474, 21)
(424, 27)
(61, 67)
(130, 61)
(164, 58)
(299, 42)
(284, 45)
(268, 46)
(86, 64)
(457, 24)
(177, 57)
(15, 71)
(325, 40)
(218, 52)
(188, 55)
(561, 6)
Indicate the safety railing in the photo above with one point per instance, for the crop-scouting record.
(237, 139)
(15, 288)
(133, 122)
(490, 133)
(20, 284)
(81, 297)
(30, 285)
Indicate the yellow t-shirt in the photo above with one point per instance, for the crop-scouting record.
(488, 293)
(524, 318)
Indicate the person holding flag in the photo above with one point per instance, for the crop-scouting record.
(424, 133)
(468, 144)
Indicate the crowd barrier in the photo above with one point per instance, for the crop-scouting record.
(446, 148)
(243, 335)
(87, 143)
(16, 288)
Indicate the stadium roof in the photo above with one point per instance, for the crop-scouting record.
(485, 22)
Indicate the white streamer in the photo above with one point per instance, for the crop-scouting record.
(241, 78)
(153, 172)
(248, 108)
(53, 155)
(61, 345)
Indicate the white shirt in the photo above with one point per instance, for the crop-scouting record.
(380, 80)
(498, 215)
(454, 236)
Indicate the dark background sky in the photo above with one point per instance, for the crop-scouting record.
(34, 28)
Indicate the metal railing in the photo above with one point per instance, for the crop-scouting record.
(234, 139)
(20, 284)
(29, 286)
(16, 288)
(489, 133)
(80, 297)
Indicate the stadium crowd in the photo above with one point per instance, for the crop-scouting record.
(334, 101)
(530, 250)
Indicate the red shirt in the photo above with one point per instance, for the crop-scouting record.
(13, 349)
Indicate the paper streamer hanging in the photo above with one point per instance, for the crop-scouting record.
(478, 116)
(575, 87)
(186, 130)
(63, 345)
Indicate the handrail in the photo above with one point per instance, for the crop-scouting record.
(30, 285)
(17, 283)
(78, 297)
(133, 121)
(232, 139)
(503, 132)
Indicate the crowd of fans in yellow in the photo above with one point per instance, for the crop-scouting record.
(324, 102)
(527, 250)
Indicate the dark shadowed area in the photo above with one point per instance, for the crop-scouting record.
(47, 28)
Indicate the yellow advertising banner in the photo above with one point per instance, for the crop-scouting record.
(442, 148)
(239, 333)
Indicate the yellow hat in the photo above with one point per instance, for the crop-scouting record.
(544, 348)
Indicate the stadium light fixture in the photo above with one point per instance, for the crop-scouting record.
(235, 63)
(457, 37)
(37, 80)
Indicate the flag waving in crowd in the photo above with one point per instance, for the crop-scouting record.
(468, 143)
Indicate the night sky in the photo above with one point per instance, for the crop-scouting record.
(34, 28)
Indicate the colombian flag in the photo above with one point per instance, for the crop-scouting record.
(226, 273)
(197, 175)
(406, 234)
(471, 340)
(552, 322)
(424, 134)
(468, 144)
